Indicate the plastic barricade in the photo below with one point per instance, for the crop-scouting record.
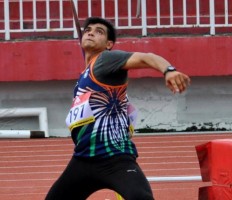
(215, 159)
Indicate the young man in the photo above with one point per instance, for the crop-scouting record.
(105, 156)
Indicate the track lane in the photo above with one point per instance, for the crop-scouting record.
(28, 167)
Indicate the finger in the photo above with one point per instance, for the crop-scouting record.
(173, 86)
(178, 83)
(181, 83)
(187, 79)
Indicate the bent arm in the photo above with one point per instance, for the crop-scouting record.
(176, 81)
(146, 60)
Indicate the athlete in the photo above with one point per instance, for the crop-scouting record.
(100, 120)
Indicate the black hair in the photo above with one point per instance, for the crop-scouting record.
(111, 31)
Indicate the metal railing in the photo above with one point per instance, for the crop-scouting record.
(146, 16)
(168, 179)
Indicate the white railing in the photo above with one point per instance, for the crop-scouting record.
(147, 16)
(167, 179)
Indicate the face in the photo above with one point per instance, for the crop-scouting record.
(95, 38)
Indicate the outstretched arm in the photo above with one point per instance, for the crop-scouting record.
(176, 81)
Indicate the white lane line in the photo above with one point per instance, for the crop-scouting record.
(37, 146)
(27, 173)
(29, 179)
(166, 163)
(35, 161)
(177, 169)
(158, 157)
(55, 158)
(182, 134)
(33, 156)
(31, 166)
(173, 141)
(35, 151)
(24, 187)
(164, 151)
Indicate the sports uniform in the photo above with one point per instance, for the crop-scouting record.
(104, 155)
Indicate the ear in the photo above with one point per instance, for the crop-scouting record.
(109, 45)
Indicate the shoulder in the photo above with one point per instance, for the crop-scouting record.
(116, 53)
(114, 57)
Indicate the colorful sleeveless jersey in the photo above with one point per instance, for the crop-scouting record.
(103, 131)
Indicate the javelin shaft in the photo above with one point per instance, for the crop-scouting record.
(77, 24)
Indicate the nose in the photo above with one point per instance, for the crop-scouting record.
(90, 32)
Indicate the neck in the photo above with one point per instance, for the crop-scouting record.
(89, 56)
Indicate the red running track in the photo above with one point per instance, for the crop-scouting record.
(28, 167)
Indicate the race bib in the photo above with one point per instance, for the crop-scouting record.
(132, 114)
(80, 112)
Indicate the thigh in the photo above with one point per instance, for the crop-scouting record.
(128, 180)
(74, 183)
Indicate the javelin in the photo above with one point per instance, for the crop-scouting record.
(77, 24)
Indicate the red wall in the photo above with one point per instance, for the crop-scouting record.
(62, 59)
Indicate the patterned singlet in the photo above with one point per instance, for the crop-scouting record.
(109, 134)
